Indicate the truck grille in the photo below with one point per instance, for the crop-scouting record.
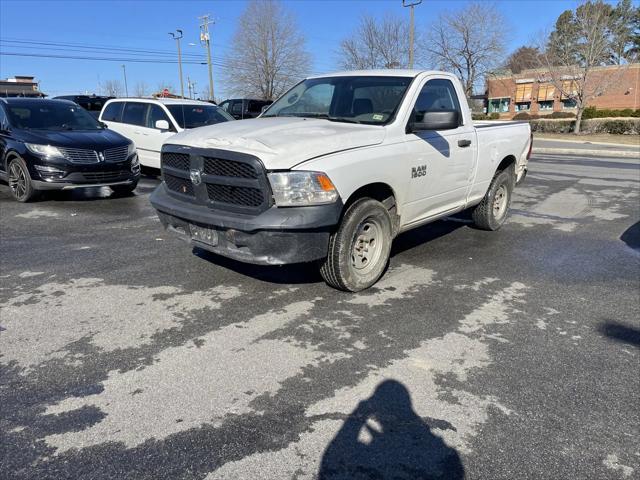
(178, 161)
(235, 195)
(178, 184)
(228, 168)
(229, 181)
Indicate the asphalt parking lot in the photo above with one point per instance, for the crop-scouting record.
(512, 354)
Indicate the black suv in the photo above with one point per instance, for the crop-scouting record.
(91, 103)
(241, 108)
(57, 145)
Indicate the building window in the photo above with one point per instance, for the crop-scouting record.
(546, 105)
(523, 92)
(568, 103)
(523, 106)
(546, 91)
(499, 105)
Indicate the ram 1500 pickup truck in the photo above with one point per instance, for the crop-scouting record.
(337, 167)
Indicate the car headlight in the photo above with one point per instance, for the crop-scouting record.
(291, 189)
(132, 149)
(47, 151)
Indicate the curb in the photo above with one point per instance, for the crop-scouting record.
(580, 151)
(582, 142)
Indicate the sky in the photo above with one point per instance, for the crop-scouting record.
(144, 25)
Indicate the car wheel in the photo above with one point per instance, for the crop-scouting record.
(20, 181)
(124, 189)
(491, 212)
(359, 250)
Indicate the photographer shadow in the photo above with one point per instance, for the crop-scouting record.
(383, 438)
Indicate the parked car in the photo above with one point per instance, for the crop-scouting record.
(91, 103)
(242, 108)
(149, 122)
(336, 168)
(57, 145)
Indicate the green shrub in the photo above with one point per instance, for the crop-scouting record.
(494, 116)
(562, 115)
(478, 116)
(593, 112)
(621, 126)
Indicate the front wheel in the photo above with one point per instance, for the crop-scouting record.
(20, 181)
(491, 212)
(359, 250)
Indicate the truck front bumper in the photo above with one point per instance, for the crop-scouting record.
(275, 237)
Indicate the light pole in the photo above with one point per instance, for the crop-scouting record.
(411, 4)
(124, 72)
(177, 39)
(205, 40)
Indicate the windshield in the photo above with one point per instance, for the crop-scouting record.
(370, 100)
(193, 116)
(51, 115)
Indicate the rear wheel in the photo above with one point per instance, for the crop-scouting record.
(20, 181)
(491, 212)
(359, 250)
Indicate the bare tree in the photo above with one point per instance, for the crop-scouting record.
(112, 88)
(164, 85)
(268, 52)
(581, 41)
(141, 89)
(376, 44)
(468, 42)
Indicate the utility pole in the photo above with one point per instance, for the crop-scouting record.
(205, 39)
(177, 39)
(411, 4)
(189, 85)
(124, 72)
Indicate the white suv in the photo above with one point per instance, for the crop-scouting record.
(149, 122)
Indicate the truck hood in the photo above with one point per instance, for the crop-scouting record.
(282, 142)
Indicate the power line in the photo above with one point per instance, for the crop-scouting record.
(106, 59)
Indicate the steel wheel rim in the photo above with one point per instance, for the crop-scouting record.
(367, 245)
(17, 180)
(500, 202)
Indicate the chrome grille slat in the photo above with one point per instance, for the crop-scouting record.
(80, 155)
(116, 154)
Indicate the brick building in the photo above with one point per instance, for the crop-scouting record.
(532, 91)
(20, 86)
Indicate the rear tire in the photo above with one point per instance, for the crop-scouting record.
(20, 181)
(359, 250)
(122, 190)
(492, 211)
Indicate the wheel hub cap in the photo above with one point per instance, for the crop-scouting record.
(500, 202)
(367, 245)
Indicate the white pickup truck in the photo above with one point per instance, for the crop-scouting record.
(336, 168)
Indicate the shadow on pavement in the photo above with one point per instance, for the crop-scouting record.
(384, 438)
(621, 333)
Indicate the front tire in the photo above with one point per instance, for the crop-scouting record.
(359, 250)
(491, 212)
(20, 181)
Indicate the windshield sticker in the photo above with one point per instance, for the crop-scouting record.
(377, 116)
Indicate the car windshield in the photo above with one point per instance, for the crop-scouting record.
(193, 116)
(51, 115)
(370, 100)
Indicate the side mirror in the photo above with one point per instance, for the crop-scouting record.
(104, 125)
(438, 120)
(162, 125)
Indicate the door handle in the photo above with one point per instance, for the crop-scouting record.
(464, 143)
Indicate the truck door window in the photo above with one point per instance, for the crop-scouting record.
(437, 95)
(113, 112)
(236, 108)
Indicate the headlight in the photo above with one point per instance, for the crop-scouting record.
(44, 150)
(292, 189)
(132, 149)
